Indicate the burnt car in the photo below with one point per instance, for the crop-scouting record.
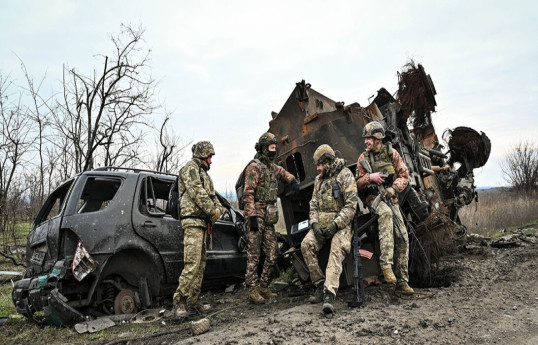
(441, 179)
(103, 244)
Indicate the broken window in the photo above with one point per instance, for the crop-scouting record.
(154, 196)
(97, 194)
(54, 203)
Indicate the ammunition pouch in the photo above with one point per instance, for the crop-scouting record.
(271, 214)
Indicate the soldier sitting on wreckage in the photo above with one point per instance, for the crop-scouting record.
(387, 170)
(332, 207)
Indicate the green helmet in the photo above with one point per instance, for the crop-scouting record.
(373, 129)
(202, 150)
(323, 153)
(265, 140)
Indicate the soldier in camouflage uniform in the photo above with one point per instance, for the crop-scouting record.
(260, 196)
(333, 205)
(391, 172)
(199, 210)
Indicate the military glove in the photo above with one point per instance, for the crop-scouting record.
(295, 187)
(215, 214)
(390, 192)
(331, 230)
(253, 223)
(317, 228)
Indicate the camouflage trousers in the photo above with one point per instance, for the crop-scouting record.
(263, 239)
(194, 258)
(340, 247)
(391, 242)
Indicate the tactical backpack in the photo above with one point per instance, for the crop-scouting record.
(240, 184)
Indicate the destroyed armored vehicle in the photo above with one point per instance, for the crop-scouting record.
(440, 178)
(103, 244)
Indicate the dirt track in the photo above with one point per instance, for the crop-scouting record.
(493, 299)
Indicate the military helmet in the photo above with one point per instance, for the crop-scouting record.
(373, 129)
(265, 140)
(323, 153)
(202, 150)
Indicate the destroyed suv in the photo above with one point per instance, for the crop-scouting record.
(103, 244)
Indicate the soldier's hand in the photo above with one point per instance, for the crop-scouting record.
(377, 178)
(215, 214)
(390, 192)
(295, 187)
(317, 228)
(253, 223)
(331, 230)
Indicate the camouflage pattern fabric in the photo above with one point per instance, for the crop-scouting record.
(194, 257)
(392, 245)
(325, 209)
(391, 242)
(265, 238)
(202, 149)
(401, 175)
(262, 239)
(340, 247)
(197, 200)
(254, 178)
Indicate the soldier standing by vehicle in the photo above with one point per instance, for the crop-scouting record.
(260, 196)
(332, 207)
(389, 171)
(199, 210)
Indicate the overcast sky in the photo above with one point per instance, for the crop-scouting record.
(223, 66)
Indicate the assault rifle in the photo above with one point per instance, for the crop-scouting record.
(358, 282)
(382, 197)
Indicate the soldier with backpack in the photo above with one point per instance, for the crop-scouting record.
(257, 190)
(199, 209)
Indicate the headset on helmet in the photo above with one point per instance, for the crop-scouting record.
(323, 154)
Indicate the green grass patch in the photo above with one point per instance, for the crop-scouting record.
(6, 304)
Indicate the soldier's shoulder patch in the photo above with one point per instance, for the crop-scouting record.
(251, 177)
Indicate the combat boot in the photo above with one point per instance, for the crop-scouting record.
(266, 293)
(180, 309)
(328, 301)
(201, 307)
(254, 295)
(317, 297)
(389, 276)
(405, 288)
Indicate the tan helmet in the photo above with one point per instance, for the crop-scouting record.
(202, 150)
(265, 140)
(323, 153)
(373, 129)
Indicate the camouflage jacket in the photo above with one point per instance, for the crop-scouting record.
(400, 180)
(324, 207)
(197, 194)
(256, 178)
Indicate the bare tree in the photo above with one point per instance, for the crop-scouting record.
(15, 141)
(170, 150)
(520, 167)
(98, 113)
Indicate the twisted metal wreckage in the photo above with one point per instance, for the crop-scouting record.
(103, 243)
(441, 179)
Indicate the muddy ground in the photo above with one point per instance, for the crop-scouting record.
(492, 299)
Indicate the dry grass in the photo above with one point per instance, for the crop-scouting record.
(499, 209)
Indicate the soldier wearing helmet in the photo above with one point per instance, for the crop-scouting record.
(332, 207)
(390, 171)
(199, 210)
(260, 210)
